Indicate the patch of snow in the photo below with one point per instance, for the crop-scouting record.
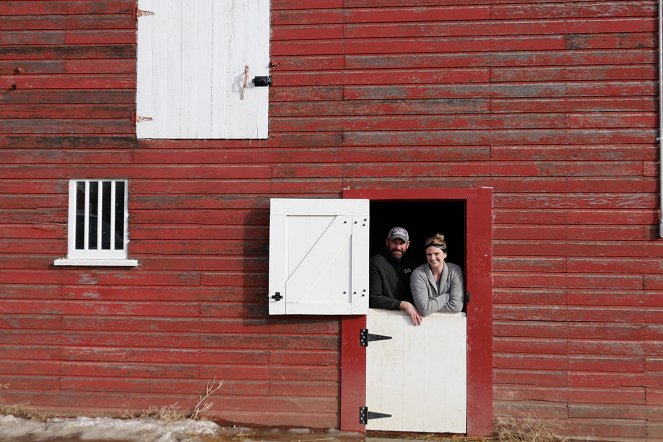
(105, 429)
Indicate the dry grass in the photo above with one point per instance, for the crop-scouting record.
(528, 428)
(204, 404)
(174, 412)
(169, 413)
(21, 410)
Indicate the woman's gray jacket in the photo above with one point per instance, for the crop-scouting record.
(445, 297)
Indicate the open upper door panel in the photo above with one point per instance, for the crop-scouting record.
(318, 256)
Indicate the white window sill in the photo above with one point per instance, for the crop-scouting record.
(96, 262)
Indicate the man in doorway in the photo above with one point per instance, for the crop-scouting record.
(389, 276)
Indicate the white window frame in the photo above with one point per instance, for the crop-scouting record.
(96, 255)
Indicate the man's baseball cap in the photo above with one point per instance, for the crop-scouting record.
(398, 233)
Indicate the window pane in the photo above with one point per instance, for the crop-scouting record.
(94, 209)
(106, 216)
(80, 215)
(98, 223)
(119, 215)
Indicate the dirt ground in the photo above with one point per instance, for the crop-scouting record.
(84, 429)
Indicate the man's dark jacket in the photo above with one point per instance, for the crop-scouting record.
(389, 280)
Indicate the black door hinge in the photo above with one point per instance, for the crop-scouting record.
(365, 415)
(365, 337)
(467, 297)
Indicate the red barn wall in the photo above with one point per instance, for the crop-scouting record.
(552, 103)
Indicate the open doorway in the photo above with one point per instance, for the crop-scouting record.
(422, 219)
(405, 362)
(464, 216)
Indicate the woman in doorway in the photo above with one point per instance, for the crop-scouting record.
(437, 286)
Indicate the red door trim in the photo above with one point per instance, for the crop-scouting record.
(353, 373)
(478, 277)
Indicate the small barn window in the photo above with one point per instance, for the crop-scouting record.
(98, 223)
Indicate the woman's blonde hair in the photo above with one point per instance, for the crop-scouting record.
(437, 241)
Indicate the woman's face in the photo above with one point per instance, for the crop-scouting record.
(435, 257)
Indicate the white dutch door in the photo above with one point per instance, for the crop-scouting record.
(318, 264)
(318, 256)
(419, 375)
(195, 64)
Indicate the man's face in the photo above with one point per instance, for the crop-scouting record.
(397, 247)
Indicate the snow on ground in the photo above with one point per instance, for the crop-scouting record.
(105, 429)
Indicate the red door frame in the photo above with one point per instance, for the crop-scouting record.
(478, 265)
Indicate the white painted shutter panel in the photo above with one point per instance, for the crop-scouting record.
(318, 256)
(191, 64)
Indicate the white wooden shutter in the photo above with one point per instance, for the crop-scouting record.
(318, 256)
(192, 56)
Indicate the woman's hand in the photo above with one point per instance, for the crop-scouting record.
(412, 312)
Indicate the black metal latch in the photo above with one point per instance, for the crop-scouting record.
(365, 337)
(277, 296)
(467, 297)
(262, 81)
(365, 415)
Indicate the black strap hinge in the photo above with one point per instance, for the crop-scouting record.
(365, 415)
(365, 337)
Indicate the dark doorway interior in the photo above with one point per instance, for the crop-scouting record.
(422, 219)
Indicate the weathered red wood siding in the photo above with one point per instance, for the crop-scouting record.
(552, 103)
